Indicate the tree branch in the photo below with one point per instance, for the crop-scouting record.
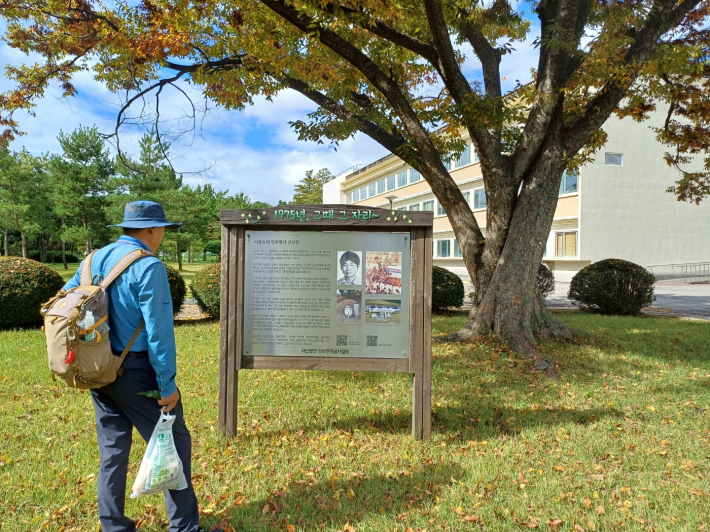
(488, 55)
(419, 47)
(393, 142)
(381, 81)
(661, 19)
(562, 20)
(487, 143)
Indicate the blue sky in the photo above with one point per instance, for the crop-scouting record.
(252, 151)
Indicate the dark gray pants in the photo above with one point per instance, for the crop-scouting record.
(119, 408)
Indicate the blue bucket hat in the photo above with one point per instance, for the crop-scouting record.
(144, 214)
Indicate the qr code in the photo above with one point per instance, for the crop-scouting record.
(371, 340)
(341, 339)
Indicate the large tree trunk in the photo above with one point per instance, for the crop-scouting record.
(24, 244)
(507, 301)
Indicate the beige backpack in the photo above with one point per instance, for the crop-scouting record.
(78, 362)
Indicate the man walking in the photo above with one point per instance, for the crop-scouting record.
(141, 294)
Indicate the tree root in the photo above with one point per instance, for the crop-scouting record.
(520, 337)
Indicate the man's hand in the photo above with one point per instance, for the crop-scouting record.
(170, 401)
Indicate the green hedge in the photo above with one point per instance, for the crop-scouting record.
(55, 257)
(24, 285)
(612, 286)
(178, 288)
(206, 289)
(447, 289)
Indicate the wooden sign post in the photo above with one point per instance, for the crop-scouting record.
(281, 270)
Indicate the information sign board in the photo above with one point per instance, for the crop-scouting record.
(329, 287)
(326, 294)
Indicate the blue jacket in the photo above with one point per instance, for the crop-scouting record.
(141, 292)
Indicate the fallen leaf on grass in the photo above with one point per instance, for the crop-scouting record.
(555, 524)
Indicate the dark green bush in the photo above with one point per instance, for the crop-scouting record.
(206, 289)
(178, 288)
(545, 280)
(24, 285)
(214, 246)
(613, 286)
(447, 289)
(55, 257)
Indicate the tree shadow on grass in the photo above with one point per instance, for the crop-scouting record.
(312, 503)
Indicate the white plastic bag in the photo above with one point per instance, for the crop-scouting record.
(161, 468)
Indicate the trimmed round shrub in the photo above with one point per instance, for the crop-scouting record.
(178, 288)
(24, 285)
(206, 289)
(545, 280)
(613, 286)
(447, 289)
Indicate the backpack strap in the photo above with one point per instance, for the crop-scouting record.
(122, 264)
(132, 340)
(86, 270)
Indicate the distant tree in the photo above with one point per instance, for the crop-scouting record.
(310, 189)
(195, 208)
(150, 176)
(23, 198)
(82, 181)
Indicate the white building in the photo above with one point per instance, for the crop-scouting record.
(615, 207)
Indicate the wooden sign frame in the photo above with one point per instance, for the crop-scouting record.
(325, 218)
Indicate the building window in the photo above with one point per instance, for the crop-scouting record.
(447, 162)
(381, 186)
(414, 175)
(363, 193)
(356, 195)
(390, 182)
(348, 198)
(402, 178)
(475, 156)
(443, 248)
(566, 244)
(568, 184)
(440, 210)
(372, 191)
(414, 207)
(465, 157)
(613, 159)
(428, 205)
(467, 197)
(479, 198)
(457, 249)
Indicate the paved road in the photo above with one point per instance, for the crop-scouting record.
(673, 298)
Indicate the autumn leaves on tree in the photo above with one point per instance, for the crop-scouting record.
(395, 73)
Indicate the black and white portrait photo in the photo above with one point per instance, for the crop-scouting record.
(349, 263)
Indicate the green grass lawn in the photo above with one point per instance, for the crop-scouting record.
(621, 442)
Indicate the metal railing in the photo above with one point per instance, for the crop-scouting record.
(350, 169)
(688, 273)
